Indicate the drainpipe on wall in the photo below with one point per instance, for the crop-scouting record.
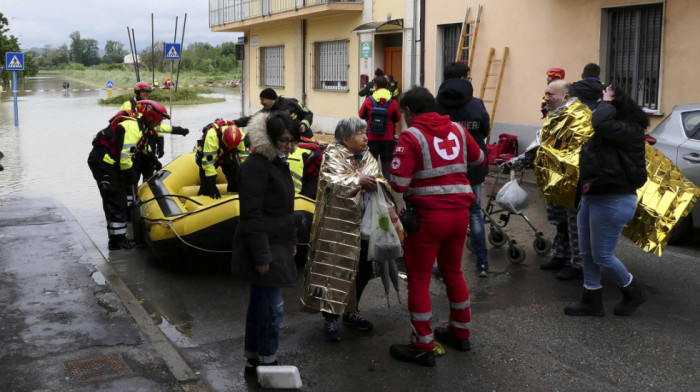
(303, 62)
(414, 44)
(422, 47)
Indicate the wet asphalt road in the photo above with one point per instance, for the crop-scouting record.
(521, 338)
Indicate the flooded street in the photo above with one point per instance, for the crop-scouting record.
(521, 339)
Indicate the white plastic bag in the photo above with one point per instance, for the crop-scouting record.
(512, 197)
(366, 228)
(384, 242)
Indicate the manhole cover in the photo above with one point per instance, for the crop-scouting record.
(97, 367)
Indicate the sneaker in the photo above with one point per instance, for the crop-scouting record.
(120, 243)
(482, 270)
(410, 353)
(355, 319)
(251, 365)
(330, 326)
(555, 264)
(443, 335)
(569, 272)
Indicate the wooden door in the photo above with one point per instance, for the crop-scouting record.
(392, 65)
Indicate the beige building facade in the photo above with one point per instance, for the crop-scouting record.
(322, 51)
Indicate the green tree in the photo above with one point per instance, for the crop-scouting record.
(83, 51)
(8, 43)
(31, 63)
(114, 52)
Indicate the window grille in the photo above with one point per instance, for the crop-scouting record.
(331, 65)
(450, 39)
(272, 66)
(634, 51)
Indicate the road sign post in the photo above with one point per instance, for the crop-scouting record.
(14, 61)
(109, 88)
(172, 52)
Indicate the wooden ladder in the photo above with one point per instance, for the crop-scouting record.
(486, 85)
(467, 40)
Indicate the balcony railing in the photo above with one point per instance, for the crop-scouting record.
(228, 11)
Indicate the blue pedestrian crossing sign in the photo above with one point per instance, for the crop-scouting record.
(14, 61)
(172, 51)
(110, 84)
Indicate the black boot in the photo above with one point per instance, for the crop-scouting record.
(591, 304)
(633, 295)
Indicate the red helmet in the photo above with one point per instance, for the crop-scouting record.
(556, 73)
(153, 112)
(142, 86)
(231, 137)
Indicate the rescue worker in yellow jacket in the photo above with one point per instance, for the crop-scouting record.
(304, 163)
(112, 165)
(219, 146)
(147, 162)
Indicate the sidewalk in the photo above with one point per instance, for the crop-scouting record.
(68, 321)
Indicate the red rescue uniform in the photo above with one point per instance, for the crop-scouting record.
(430, 168)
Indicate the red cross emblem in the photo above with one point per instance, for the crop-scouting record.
(447, 149)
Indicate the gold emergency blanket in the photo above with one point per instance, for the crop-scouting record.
(663, 200)
(556, 165)
(334, 244)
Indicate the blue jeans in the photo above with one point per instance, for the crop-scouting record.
(477, 233)
(601, 219)
(262, 324)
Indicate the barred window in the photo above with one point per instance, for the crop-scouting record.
(272, 66)
(634, 51)
(451, 34)
(331, 65)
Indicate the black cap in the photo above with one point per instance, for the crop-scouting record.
(268, 93)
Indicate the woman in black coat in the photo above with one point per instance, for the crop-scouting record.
(264, 244)
(612, 166)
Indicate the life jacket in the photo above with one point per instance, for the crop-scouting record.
(226, 154)
(379, 116)
(312, 162)
(109, 137)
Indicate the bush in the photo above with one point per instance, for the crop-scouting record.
(75, 67)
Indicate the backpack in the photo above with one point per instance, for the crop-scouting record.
(379, 117)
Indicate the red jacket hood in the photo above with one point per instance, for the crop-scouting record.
(433, 123)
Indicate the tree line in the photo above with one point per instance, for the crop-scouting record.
(84, 52)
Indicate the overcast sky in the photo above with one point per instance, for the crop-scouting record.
(36, 23)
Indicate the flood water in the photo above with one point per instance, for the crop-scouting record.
(46, 155)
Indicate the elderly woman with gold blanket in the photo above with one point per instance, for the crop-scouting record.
(337, 269)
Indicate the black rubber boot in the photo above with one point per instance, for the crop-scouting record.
(633, 295)
(591, 304)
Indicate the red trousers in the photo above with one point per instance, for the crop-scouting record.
(441, 235)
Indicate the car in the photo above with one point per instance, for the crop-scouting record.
(678, 137)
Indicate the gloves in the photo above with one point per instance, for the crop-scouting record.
(208, 187)
(180, 131)
(158, 165)
(160, 146)
(241, 122)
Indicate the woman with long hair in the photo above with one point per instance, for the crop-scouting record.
(612, 167)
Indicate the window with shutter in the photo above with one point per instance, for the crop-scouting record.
(272, 66)
(331, 65)
(634, 51)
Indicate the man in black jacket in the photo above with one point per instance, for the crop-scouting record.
(272, 103)
(589, 89)
(455, 99)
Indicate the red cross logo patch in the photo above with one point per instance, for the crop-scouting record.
(447, 149)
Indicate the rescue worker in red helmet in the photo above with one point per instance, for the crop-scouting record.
(111, 161)
(430, 168)
(219, 146)
(148, 162)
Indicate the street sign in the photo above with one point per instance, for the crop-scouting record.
(366, 49)
(110, 84)
(172, 51)
(14, 61)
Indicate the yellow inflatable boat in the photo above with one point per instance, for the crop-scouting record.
(178, 225)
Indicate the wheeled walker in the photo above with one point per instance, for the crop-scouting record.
(497, 218)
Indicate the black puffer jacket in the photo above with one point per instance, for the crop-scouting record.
(612, 160)
(265, 233)
(455, 99)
